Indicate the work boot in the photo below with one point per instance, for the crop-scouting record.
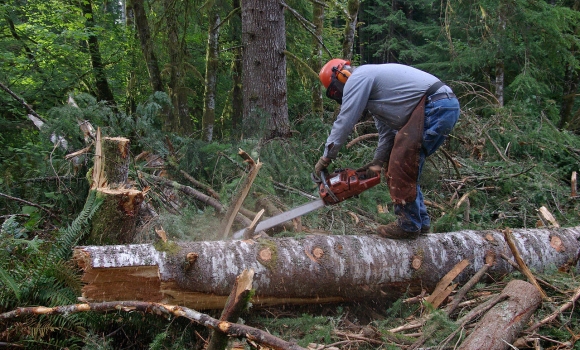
(425, 229)
(394, 231)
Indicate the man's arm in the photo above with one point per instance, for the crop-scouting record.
(386, 141)
(356, 95)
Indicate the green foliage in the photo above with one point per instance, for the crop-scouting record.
(72, 235)
(398, 35)
(304, 329)
(39, 272)
(507, 161)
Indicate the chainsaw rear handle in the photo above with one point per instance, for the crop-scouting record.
(345, 183)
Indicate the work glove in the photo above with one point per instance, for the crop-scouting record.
(321, 166)
(373, 168)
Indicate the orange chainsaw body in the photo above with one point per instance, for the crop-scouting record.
(345, 183)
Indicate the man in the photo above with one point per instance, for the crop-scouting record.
(414, 112)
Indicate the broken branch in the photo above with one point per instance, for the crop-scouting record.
(228, 328)
(508, 235)
(237, 203)
(556, 313)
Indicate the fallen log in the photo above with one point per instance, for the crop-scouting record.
(312, 269)
(502, 324)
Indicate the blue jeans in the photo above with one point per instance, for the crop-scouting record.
(440, 118)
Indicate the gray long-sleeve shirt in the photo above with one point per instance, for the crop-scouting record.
(390, 92)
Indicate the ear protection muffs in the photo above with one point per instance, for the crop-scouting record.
(342, 74)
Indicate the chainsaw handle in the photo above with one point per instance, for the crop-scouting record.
(328, 190)
(315, 178)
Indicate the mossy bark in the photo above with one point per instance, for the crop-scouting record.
(115, 220)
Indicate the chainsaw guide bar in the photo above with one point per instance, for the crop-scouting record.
(333, 189)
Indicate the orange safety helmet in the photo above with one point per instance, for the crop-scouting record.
(334, 66)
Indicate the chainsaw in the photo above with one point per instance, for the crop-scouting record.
(332, 188)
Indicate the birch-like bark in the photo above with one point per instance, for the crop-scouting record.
(313, 269)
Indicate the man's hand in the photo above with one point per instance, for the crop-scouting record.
(372, 168)
(321, 166)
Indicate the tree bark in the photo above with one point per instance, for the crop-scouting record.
(211, 67)
(115, 220)
(570, 82)
(316, 59)
(313, 269)
(178, 120)
(503, 323)
(104, 92)
(264, 73)
(144, 34)
(237, 73)
(350, 29)
(115, 161)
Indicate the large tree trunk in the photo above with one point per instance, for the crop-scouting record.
(264, 73)
(313, 269)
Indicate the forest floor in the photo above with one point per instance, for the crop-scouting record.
(411, 323)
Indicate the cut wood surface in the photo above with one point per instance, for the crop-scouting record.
(312, 269)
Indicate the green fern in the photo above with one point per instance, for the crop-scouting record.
(70, 236)
(7, 280)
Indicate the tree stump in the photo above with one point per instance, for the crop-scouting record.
(116, 218)
(116, 160)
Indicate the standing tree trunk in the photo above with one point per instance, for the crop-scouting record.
(499, 81)
(237, 73)
(144, 34)
(172, 118)
(264, 73)
(211, 67)
(104, 92)
(570, 87)
(178, 120)
(571, 80)
(499, 64)
(316, 60)
(313, 269)
(350, 29)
